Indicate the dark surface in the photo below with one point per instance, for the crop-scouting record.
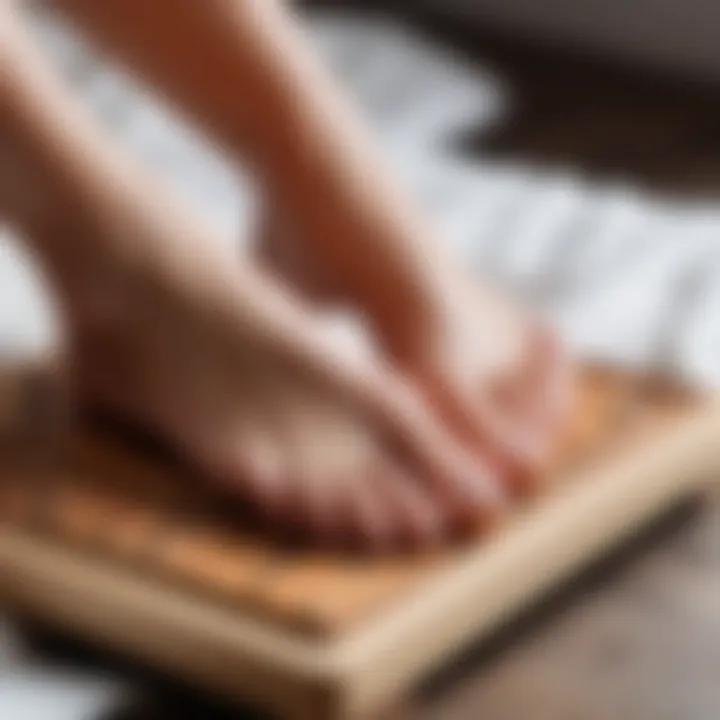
(637, 638)
(575, 109)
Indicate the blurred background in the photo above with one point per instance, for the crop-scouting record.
(569, 149)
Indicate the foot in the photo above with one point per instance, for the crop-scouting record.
(496, 375)
(321, 444)
(491, 371)
(168, 332)
(166, 329)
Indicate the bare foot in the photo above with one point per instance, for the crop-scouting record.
(255, 394)
(495, 374)
(257, 85)
(310, 150)
(167, 329)
(324, 447)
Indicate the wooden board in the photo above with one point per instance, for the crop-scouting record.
(116, 546)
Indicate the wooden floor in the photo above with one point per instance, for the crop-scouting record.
(639, 637)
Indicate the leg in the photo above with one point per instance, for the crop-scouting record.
(169, 330)
(463, 343)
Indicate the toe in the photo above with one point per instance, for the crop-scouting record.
(537, 406)
(329, 460)
(420, 520)
(464, 480)
(552, 381)
(480, 420)
(324, 509)
(250, 466)
(372, 527)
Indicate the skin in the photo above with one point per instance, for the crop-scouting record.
(480, 361)
(404, 446)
